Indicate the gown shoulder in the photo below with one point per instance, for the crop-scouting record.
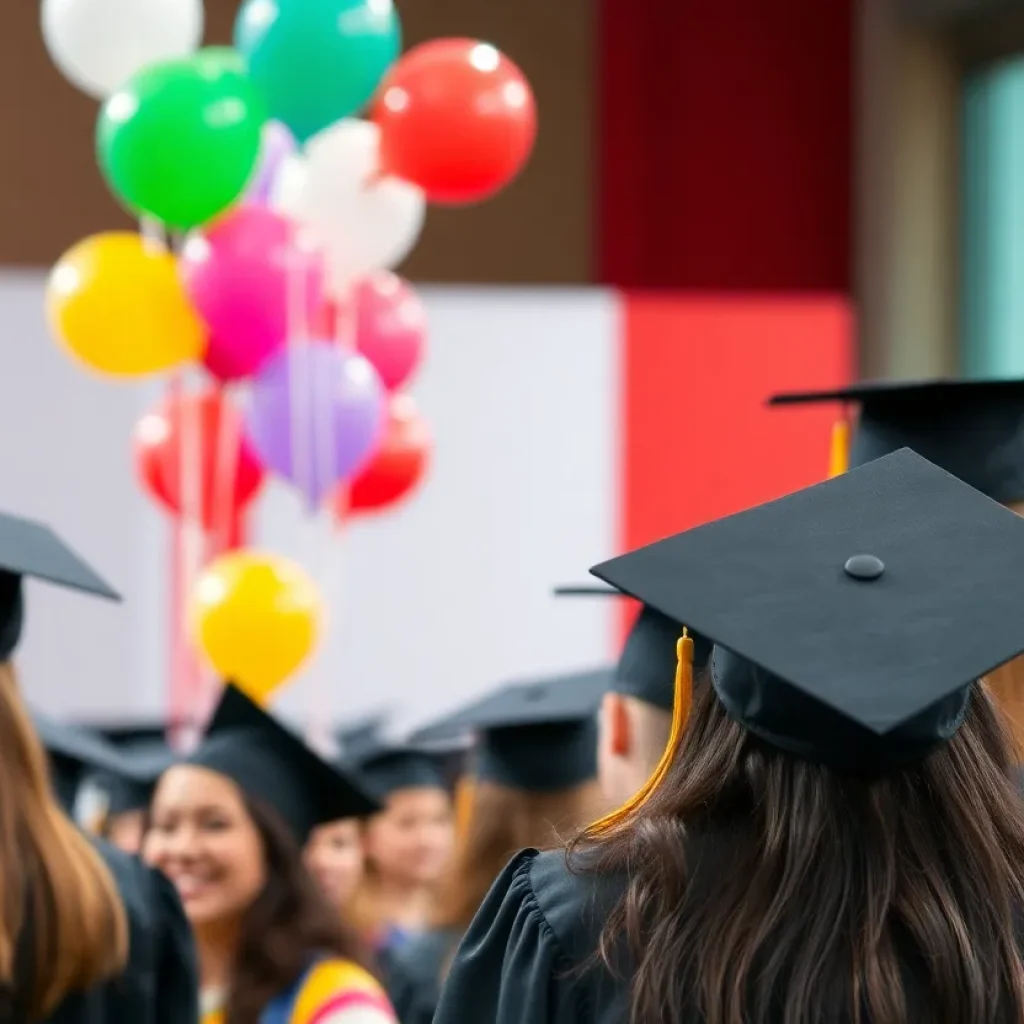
(530, 953)
(159, 984)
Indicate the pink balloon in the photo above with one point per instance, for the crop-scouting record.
(390, 325)
(249, 279)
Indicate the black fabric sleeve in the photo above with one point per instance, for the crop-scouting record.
(177, 977)
(510, 968)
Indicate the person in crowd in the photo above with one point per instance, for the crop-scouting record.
(636, 713)
(334, 856)
(227, 825)
(836, 835)
(532, 783)
(87, 934)
(407, 845)
(115, 804)
(974, 429)
(334, 853)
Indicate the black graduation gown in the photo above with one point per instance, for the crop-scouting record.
(413, 974)
(529, 955)
(520, 961)
(160, 982)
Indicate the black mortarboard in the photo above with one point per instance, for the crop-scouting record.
(29, 548)
(851, 618)
(360, 736)
(539, 736)
(74, 752)
(973, 429)
(647, 666)
(388, 767)
(148, 755)
(273, 765)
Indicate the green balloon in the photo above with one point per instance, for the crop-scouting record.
(180, 141)
(317, 61)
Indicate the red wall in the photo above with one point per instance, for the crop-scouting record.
(698, 440)
(724, 144)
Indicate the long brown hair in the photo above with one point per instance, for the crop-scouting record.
(495, 823)
(63, 927)
(1006, 684)
(287, 926)
(761, 888)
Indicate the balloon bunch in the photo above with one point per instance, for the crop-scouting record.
(271, 217)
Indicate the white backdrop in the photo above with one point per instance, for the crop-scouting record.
(436, 601)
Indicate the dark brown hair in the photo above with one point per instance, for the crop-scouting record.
(761, 888)
(287, 926)
(495, 823)
(61, 917)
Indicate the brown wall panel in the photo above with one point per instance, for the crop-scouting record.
(51, 193)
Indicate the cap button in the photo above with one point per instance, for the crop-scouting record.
(864, 567)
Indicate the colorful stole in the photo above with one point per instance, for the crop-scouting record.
(327, 987)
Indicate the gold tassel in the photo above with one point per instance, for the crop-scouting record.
(681, 703)
(464, 793)
(839, 450)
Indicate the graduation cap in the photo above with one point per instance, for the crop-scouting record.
(388, 767)
(148, 755)
(850, 618)
(974, 429)
(360, 736)
(647, 665)
(271, 764)
(539, 736)
(29, 548)
(74, 752)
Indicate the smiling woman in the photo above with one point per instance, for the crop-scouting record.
(226, 828)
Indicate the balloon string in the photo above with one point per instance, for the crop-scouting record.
(329, 547)
(299, 384)
(179, 695)
(190, 478)
(227, 454)
(226, 468)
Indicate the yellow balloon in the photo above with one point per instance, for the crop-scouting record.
(257, 617)
(117, 303)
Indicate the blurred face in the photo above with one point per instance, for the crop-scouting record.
(410, 842)
(125, 831)
(334, 856)
(202, 838)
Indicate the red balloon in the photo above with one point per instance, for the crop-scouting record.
(399, 465)
(457, 118)
(205, 428)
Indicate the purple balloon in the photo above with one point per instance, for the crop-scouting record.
(333, 403)
(278, 144)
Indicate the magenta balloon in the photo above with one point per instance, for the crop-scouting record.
(390, 326)
(277, 145)
(331, 401)
(249, 279)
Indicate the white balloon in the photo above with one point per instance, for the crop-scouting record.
(100, 44)
(359, 220)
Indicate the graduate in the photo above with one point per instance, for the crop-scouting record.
(334, 852)
(636, 712)
(89, 933)
(836, 835)
(407, 844)
(533, 770)
(115, 804)
(227, 825)
(75, 754)
(974, 429)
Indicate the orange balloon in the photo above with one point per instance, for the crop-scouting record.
(116, 303)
